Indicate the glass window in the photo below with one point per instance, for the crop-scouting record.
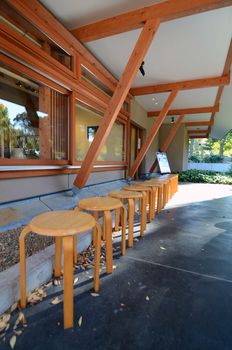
(87, 122)
(33, 119)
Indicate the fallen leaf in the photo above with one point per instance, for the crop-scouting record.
(5, 318)
(48, 284)
(75, 281)
(95, 294)
(56, 283)
(80, 321)
(21, 318)
(13, 307)
(18, 332)
(147, 298)
(114, 267)
(162, 248)
(2, 325)
(12, 341)
(56, 301)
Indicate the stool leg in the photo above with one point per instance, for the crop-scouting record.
(123, 221)
(58, 254)
(155, 201)
(109, 243)
(117, 218)
(143, 214)
(68, 281)
(23, 289)
(131, 213)
(95, 215)
(75, 252)
(97, 239)
(160, 195)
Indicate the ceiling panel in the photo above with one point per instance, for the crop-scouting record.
(185, 99)
(186, 48)
(75, 13)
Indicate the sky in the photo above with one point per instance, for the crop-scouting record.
(13, 108)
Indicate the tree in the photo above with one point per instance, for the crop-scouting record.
(4, 129)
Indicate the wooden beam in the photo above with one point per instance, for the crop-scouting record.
(187, 124)
(166, 11)
(152, 134)
(117, 100)
(186, 111)
(226, 70)
(199, 137)
(41, 18)
(181, 85)
(168, 140)
(197, 131)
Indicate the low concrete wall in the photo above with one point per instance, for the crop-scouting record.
(220, 167)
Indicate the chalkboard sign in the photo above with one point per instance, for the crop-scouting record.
(163, 163)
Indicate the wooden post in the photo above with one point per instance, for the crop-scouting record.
(168, 140)
(117, 100)
(153, 133)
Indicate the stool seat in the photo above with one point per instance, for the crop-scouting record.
(99, 203)
(61, 223)
(64, 225)
(131, 196)
(106, 204)
(123, 194)
(149, 192)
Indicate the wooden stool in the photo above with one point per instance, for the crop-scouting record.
(157, 194)
(63, 225)
(149, 196)
(131, 196)
(106, 204)
(166, 188)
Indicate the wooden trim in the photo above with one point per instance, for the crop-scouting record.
(42, 19)
(186, 111)
(31, 74)
(154, 130)
(117, 100)
(226, 70)
(26, 162)
(72, 128)
(198, 137)
(187, 124)
(197, 131)
(34, 173)
(97, 73)
(165, 11)
(181, 85)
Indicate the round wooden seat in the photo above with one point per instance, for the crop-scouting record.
(64, 225)
(131, 196)
(149, 195)
(106, 204)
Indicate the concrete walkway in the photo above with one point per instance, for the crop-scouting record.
(173, 290)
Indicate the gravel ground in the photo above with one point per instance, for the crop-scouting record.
(9, 246)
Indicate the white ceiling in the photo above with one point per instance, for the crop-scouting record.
(185, 99)
(76, 13)
(188, 48)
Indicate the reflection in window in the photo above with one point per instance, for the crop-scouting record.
(87, 122)
(33, 120)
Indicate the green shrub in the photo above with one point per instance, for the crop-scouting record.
(213, 159)
(194, 159)
(205, 176)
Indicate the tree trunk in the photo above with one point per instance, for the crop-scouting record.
(191, 146)
(221, 149)
(2, 144)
